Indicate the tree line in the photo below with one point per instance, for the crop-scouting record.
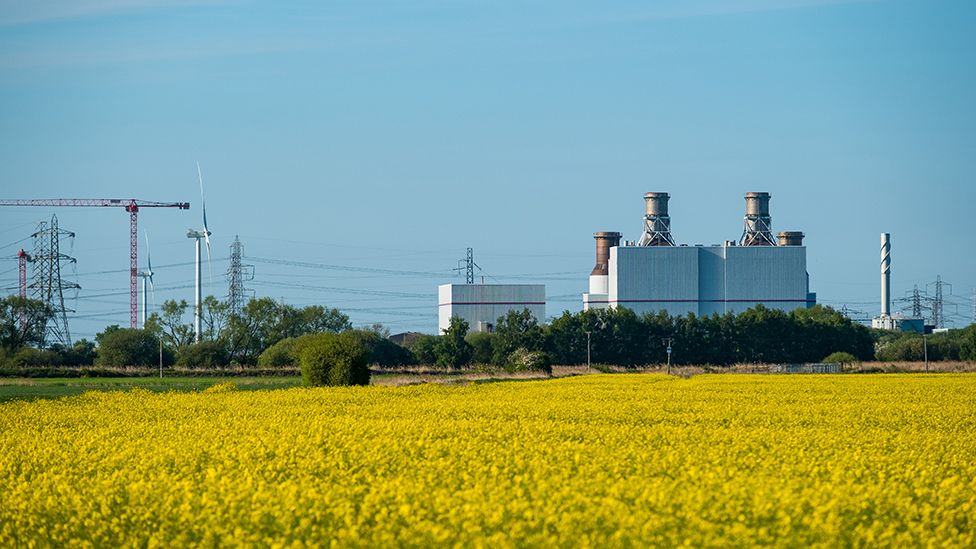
(269, 334)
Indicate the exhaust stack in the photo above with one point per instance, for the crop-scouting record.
(758, 225)
(657, 222)
(790, 238)
(604, 241)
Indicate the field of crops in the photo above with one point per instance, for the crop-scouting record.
(602, 460)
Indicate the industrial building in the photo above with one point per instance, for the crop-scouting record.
(886, 320)
(481, 305)
(655, 274)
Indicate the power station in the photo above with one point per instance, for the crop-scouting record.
(655, 274)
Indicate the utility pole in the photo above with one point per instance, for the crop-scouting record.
(588, 367)
(667, 343)
(925, 347)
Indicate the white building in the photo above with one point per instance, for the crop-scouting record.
(656, 275)
(482, 304)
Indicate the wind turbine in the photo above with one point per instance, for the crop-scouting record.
(198, 235)
(147, 275)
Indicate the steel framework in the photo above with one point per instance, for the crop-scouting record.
(47, 285)
(237, 274)
(132, 206)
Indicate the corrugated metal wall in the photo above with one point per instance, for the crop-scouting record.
(775, 276)
(707, 279)
(648, 279)
(481, 304)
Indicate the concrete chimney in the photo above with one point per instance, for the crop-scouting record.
(885, 274)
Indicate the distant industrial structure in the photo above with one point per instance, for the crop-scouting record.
(481, 305)
(48, 284)
(132, 207)
(654, 274)
(886, 320)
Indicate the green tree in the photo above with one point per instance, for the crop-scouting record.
(424, 348)
(15, 334)
(967, 343)
(81, 353)
(452, 350)
(128, 347)
(481, 347)
(264, 322)
(206, 354)
(169, 326)
(517, 329)
(213, 318)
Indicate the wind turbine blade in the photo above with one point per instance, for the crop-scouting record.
(152, 291)
(206, 229)
(203, 202)
(148, 256)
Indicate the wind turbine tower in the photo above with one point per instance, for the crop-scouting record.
(197, 236)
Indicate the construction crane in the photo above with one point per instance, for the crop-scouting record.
(130, 205)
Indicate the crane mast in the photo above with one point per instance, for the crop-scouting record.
(131, 206)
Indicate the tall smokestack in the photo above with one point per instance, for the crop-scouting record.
(604, 241)
(885, 274)
(758, 225)
(657, 222)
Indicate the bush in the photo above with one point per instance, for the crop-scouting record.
(29, 356)
(335, 359)
(524, 360)
(841, 357)
(127, 347)
(481, 347)
(206, 354)
(280, 354)
(423, 349)
(382, 351)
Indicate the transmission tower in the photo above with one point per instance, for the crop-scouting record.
(916, 303)
(468, 267)
(974, 305)
(46, 282)
(938, 302)
(237, 274)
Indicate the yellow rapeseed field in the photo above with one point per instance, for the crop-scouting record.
(600, 461)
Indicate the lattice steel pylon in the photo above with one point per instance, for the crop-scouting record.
(46, 282)
(468, 267)
(938, 302)
(237, 274)
(916, 303)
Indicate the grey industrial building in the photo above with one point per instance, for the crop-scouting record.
(655, 274)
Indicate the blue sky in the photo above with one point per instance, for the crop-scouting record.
(392, 135)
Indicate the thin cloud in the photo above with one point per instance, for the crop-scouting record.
(21, 12)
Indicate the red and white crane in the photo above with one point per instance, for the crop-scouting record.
(130, 205)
